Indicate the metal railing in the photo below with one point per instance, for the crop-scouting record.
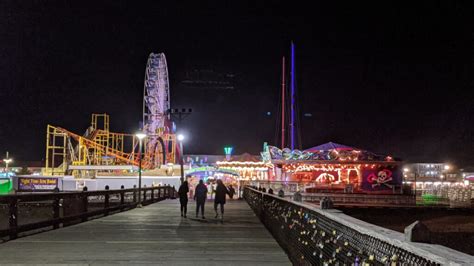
(311, 238)
(21, 213)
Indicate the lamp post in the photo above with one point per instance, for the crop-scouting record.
(447, 167)
(181, 154)
(405, 171)
(7, 161)
(415, 188)
(140, 137)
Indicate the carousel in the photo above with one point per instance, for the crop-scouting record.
(248, 166)
(336, 168)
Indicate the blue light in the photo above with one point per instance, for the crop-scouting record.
(269, 113)
(228, 150)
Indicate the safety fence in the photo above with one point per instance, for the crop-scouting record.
(25, 213)
(312, 238)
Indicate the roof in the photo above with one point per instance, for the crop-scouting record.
(330, 146)
(328, 152)
(245, 157)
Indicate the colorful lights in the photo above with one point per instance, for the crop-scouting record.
(228, 150)
(247, 170)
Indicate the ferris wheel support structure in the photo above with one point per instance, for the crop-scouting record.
(156, 105)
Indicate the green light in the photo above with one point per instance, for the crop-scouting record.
(5, 185)
(228, 150)
(428, 199)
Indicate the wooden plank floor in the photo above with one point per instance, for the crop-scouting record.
(155, 234)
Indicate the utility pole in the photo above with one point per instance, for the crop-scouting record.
(283, 104)
(7, 160)
(180, 114)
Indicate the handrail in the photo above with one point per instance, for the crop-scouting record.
(62, 214)
(313, 236)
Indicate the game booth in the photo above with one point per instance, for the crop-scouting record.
(333, 167)
(209, 175)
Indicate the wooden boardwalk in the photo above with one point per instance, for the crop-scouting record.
(155, 234)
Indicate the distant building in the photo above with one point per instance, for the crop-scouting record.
(431, 172)
(467, 174)
(27, 167)
(200, 160)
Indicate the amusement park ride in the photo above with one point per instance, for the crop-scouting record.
(100, 149)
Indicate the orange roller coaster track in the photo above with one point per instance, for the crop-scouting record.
(100, 147)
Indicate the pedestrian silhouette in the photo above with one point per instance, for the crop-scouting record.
(200, 196)
(219, 199)
(183, 198)
(231, 192)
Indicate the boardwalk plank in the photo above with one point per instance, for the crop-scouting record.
(157, 235)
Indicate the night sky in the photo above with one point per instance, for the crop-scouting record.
(391, 78)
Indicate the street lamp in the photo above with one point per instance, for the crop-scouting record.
(181, 153)
(406, 170)
(447, 167)
(140, 137)
(7, 161)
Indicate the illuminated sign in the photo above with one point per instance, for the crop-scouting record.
(37, 183)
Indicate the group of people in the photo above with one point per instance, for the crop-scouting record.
(200, 196)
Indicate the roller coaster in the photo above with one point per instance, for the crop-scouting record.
(100, 148)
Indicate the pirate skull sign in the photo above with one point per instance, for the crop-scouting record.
(381, 179)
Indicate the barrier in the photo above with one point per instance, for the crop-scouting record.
(32, 211)
(312, 236)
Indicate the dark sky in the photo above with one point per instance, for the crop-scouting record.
(392, 78)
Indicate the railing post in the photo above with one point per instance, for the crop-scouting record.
(134, 193)
(56, 207)
(144, 193)
(13, 221)
(159, 192)
(106, 201)
(173, 190)
(152, 194)
(85, 202)
(122, 197)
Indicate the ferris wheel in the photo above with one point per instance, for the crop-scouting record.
(156, 103)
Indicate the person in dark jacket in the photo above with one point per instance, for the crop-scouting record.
(221, 192)
(270, 191)
(183, 198)
(200, 196)
(231, 192)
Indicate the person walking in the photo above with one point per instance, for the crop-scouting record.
(231, 192)
(183, 198)
(219, 199)
(200, 196)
